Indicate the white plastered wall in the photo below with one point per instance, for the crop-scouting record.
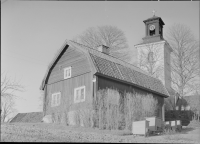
(162, 68)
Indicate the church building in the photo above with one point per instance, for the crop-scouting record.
(78, 72)
(153, 54)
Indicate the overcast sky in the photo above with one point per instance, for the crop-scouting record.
(32, 32)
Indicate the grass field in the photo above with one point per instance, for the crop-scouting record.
(41, 132)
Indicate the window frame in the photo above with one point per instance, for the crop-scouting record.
(79, 97)
(54, 99)
(65, 72)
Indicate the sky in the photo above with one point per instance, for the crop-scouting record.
(33, 31)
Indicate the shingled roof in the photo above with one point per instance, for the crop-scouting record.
(32, 117)
(113, 67)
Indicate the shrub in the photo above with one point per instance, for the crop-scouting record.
(137, 107)
(132, 109)
(149, 105)
(107, 113)
(64, 119)
(78, 117)
(84, 117)
(53, 117)
(115, 111)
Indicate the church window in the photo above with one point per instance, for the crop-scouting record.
(150, 57)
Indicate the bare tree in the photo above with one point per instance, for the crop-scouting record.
(8, 94)
(109, 36)
(7, 107)
(150, 59)
(184, 64)
(9, 87)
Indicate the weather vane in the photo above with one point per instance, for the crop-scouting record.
(153, 12)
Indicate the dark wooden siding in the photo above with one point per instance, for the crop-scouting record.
(104, 83)
(77, 60)
(66, 88)
(81, 76)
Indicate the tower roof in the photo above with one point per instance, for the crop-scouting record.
(154, 18)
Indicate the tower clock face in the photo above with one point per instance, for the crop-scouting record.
(152, 27)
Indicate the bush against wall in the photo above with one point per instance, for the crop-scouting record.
(84, 117)
(110, 110)
(107, 114)
(150, 106)
(115, 111)
(137, 107)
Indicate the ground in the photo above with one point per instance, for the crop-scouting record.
(41, 132)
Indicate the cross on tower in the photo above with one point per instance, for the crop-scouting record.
(153, 12)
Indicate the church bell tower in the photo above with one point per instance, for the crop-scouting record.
(153, 54)
(153, 29)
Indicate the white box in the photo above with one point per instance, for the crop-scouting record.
(154, 123)
(173, 123)
(167, 123)
(178, 122)
(140, 127)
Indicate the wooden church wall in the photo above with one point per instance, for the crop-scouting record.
(81, 75)
(104, 83)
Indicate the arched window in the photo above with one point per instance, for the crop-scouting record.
(150, 57)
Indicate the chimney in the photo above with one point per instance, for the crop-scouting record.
(103, 49)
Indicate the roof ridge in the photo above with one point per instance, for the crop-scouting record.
(104, 54)
(140, 70)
